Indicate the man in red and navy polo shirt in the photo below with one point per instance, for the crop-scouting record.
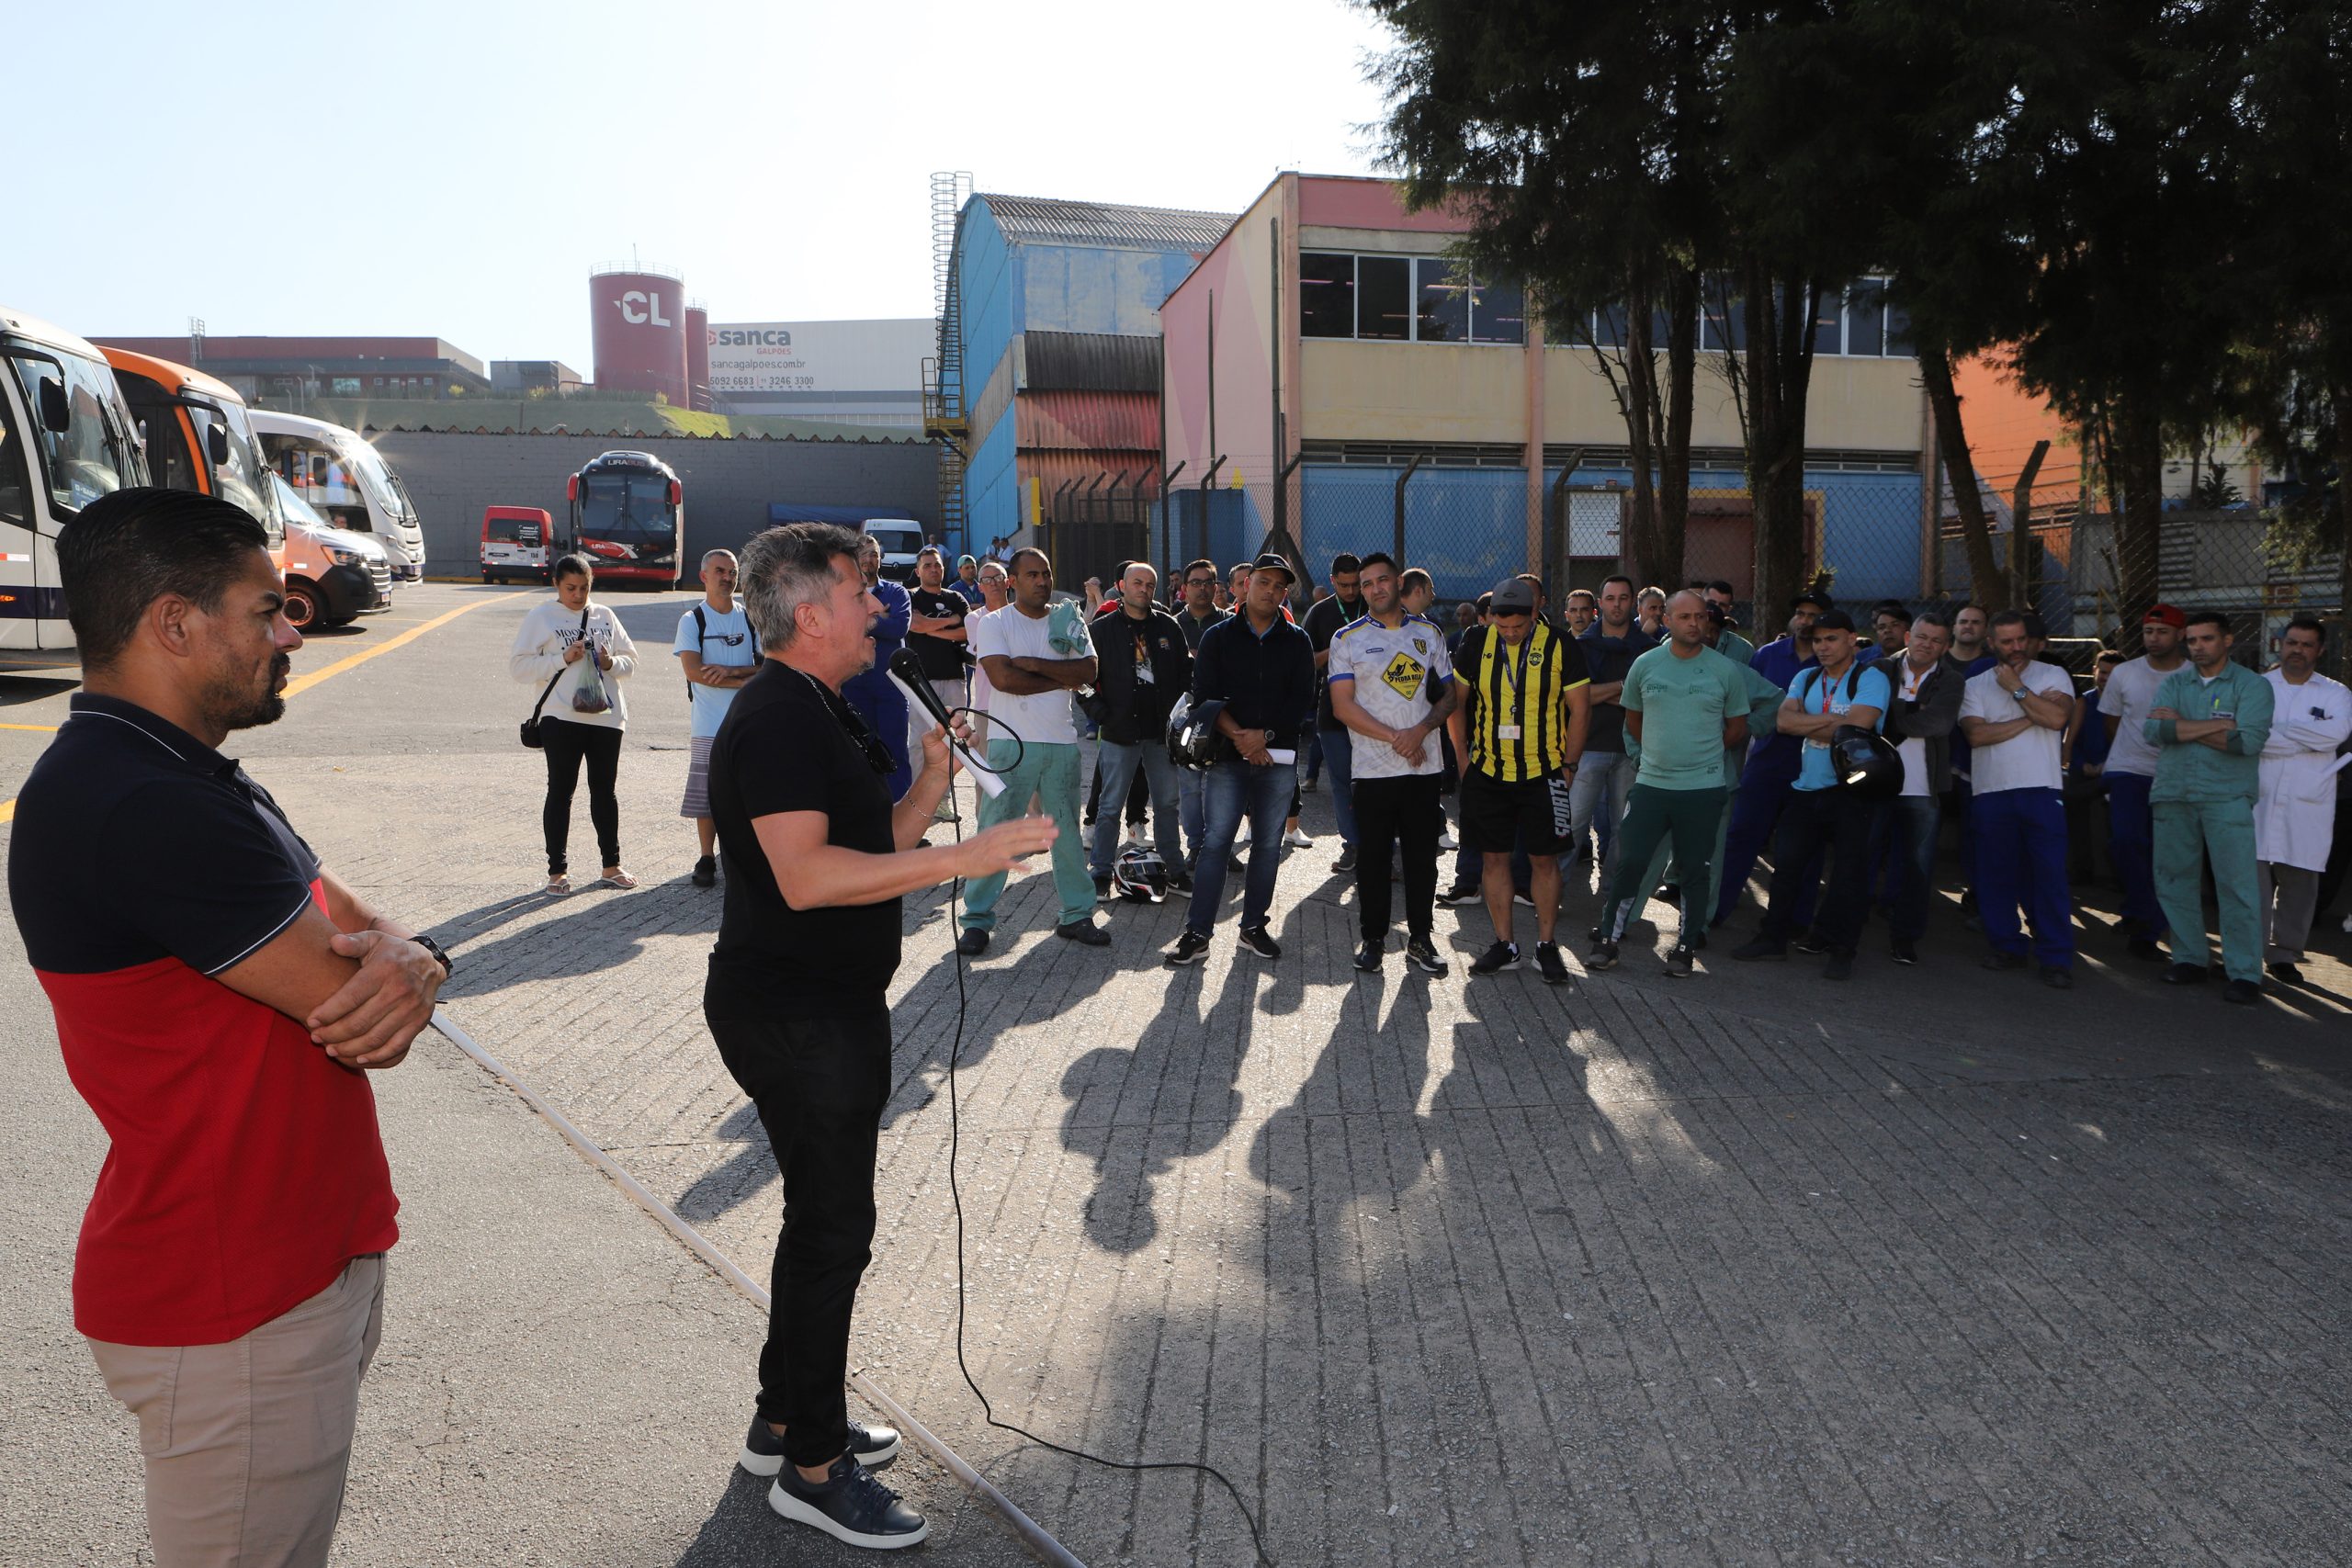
(218, 998)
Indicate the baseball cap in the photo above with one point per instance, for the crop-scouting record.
(1273, 562)
(1834, 620)
(1818, 601)
(2169, 614)
(1512, 594)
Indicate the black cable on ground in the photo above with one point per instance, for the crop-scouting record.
(955, 1193)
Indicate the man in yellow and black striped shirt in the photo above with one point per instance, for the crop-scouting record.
(1520, 731)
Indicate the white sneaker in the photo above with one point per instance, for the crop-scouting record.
(1296, 839)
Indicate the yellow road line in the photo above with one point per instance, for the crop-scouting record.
(301, 683)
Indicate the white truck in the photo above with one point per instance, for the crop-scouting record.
(346, 481)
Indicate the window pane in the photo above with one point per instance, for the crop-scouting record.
(1898, 330)
(1866, 316)
(1327, 295)
(1441, 301)
(1384, 297)
(1828, 336)
(1723, 317)
(1609, 326)
(1498, 312)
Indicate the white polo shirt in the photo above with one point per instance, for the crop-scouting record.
(2025, 760)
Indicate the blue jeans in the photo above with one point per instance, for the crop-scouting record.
(1338, 759)
(1189, 790)
(1597, 800)
(1116, 766)
(1229, 791)
(1907, 829)
(1764, 788)
(2131, 841)
(2021, 864)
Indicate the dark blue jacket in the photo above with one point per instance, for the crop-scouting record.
(1266, 683)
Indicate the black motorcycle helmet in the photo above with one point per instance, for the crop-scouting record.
(1866, 763)
(1192, 738)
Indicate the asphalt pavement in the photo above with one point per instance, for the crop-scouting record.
(1932, 1267)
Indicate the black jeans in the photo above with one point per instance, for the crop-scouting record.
(1815, 819)
(565, 744)
(819, 1084)
(1390, 812)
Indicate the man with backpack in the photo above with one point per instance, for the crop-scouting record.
(1820, 814)
(716, 647)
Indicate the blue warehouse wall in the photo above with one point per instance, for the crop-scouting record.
(991, 486)
(1066, 289)
(988, 279)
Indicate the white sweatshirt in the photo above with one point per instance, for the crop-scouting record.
(539, 650)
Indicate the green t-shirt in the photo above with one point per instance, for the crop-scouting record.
(1684, 703)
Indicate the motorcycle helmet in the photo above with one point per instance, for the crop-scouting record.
(1140, 876)
(1867, 764)
(1192, 738)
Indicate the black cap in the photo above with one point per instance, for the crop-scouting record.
(1818, 601)
(1273, 562)
(1833, 621)
(1512, 595)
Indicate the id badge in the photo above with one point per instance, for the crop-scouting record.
(1506, 732)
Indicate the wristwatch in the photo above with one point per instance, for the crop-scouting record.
(448, 964)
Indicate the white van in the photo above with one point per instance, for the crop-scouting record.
(346, 480)
(333, 575)
(901, 537)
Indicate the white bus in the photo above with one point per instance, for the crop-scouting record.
(346, 480)
(66, 439)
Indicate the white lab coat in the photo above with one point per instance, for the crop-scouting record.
(2294, 821)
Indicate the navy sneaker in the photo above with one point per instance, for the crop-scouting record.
(1259, 941)
(764, 1450)
(1190, 948)
(850, 1505)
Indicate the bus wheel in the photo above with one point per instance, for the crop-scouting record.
(302, 605)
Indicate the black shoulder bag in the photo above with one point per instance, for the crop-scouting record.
(531, 725)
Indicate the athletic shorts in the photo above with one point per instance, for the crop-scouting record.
(698, 801)
(1498, 818)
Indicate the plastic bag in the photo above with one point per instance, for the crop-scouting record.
(588, 694)
(1066, 629)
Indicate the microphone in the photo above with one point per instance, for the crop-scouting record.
(906, 673)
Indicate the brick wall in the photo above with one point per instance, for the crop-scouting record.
(452, 477)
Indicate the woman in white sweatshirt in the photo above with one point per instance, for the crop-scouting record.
(585, 712)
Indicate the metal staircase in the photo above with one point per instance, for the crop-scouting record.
(944, 420)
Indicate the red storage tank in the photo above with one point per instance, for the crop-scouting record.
(699, 358)
(638, 322)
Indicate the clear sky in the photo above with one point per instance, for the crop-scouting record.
(457, 169)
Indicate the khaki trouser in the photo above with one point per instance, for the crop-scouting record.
(247, 1443)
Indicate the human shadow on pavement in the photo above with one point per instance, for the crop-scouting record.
(588, 932)
(1180, 1086)
(738, 1178)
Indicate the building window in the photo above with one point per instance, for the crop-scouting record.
(347, 386)
(1327, 295)
(1498, 312)
(1385, 297)
(1441, 302)
(1828, 333)
(1866, 316)
(1723, 317)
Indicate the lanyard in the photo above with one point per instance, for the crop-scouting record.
(1518, 679)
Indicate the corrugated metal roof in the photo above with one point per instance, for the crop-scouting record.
(1082, 468)
(1087, 420)
(1089, 362)
(1037, 219)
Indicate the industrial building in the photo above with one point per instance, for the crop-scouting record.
(1048, 353)
(293, 369)
(1327, 328)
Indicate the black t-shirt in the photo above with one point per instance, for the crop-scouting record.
(942, 659)
(1324, 619)
(787, 744)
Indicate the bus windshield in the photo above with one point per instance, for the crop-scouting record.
(628, 509)
(94, 456)
(243, 479)
(382, 488)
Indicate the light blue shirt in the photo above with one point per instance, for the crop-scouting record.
(720, 639)
(1819, 768)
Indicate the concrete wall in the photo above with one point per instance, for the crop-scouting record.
(728, 484)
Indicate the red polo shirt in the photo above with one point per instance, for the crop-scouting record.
(245, 1168)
